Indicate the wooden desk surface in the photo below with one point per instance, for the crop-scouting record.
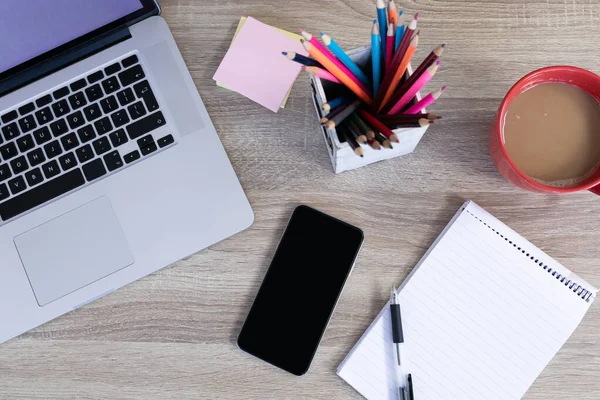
(172, 335)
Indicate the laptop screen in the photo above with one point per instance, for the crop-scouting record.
(30, 28)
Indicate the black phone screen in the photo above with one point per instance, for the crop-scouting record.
(300, 290)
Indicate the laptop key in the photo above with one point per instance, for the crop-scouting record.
(145, 125)
(86, 133)
(44, 116)
(5, 172)
(11, 131)
(150, 101)
(53, 149)
(59, 128)
(25, 143)
(111, 69)
(136, 110)
(79, 84)
(129, 61)
(61, 108)
(151, 148)
(118, 138)
(165, 141)
(111, 85)
(120, 118)
(27, 124)
(92, 112)
(131, 75)
(131, 157)
(19, 165)
(60, 93)
(84, 153)
(75, 120)
(145, 141)
(42, 135)
(68, 161)
(16, 185)
(34, 177)
(10, 116)
(109, 104)
(95, 77)
(103, 126)
(36, 157)
(26, 109)
(77, 100)
(113, 161)
(3, 192)
(41, 194)
(69, 142)
(51, 169)
(125, 96)
(94, 170)
(43, 101)
(101, 145)
(8, 151)
(93, 93)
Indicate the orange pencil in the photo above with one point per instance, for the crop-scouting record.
(393, 13)
(378, 125)
(336, 71)
(400, 71)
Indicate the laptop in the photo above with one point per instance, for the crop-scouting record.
(110, 167)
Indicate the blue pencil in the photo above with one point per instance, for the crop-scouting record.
(376, 57)
(347, 61)
(383, 23)
(399, 30)
(333, 103)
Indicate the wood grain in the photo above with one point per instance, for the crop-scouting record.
(172, 335)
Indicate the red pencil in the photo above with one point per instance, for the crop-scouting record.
(389, 46)
(378, 125)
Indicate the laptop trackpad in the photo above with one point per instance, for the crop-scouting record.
(73, 250)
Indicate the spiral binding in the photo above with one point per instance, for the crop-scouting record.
(579, 290)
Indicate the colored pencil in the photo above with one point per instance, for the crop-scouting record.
(300, 59)
(343, 130)
(364, 128)
(420, 123)
(336, 111)
(337, 72)
(418, 85)
(327, 54)
(376, 57)
(399, 73)
(388, 77)
(321, 73)
(393, 14)
(378, 125)
(389, 47)
(428, 62)
(333, 103)
(361, 138)
(407, 117)
(374, 144)
(342, 115)
(343, 57)
(385, 142)
(425, 101)
(399, 30)
(383, 24)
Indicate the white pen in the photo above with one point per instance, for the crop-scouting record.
(398, 338)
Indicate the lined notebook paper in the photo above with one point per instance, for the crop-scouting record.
(483, 312)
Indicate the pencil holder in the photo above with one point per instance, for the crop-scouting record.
(341, 154)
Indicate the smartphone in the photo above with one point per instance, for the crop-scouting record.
(300, 290)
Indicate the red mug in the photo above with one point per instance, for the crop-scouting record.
(581, 78)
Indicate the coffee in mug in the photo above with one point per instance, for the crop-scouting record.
(552, 134)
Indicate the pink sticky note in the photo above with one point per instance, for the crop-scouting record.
(255, 67)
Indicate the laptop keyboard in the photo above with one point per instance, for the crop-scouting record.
(77, 135)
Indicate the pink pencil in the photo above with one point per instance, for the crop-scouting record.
(425, 101)
(389, 46)
(410, 93)
(321, 73)
(312, 40)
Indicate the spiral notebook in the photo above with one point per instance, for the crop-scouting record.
(483, 312)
